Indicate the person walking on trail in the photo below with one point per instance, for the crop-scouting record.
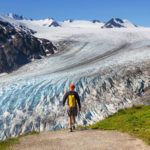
(73, 100)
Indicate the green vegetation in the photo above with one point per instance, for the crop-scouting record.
(135, 121)
(81, 128)
(8, 144)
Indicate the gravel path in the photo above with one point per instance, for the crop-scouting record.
(81, 140)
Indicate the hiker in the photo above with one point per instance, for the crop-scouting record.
(73, 99)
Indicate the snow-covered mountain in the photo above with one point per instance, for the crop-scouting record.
(9, 18)
(108, 67)
(119, 23)
(113, 23)
(15, 16)
(82, 24)
(49, 22)
(70, 23)
(19, 21)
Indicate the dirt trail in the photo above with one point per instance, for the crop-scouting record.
(81, 140)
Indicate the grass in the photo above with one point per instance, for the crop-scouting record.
(8, 144)
(135, 121)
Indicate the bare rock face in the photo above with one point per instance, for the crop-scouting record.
(18, 47)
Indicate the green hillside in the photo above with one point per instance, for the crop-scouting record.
(135, 121)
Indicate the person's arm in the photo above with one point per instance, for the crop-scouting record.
(64, 99)
(78, 101)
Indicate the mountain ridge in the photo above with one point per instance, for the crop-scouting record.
(51, 22)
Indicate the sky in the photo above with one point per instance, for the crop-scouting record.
(137, 11)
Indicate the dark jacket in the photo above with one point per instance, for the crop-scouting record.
(72, 93)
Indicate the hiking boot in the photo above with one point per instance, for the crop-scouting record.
(71, 130)
(73, 127)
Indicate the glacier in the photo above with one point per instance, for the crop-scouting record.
(106, 65)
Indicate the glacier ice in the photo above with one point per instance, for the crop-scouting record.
(104, 65)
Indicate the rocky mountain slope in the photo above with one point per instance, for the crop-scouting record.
(18, 47)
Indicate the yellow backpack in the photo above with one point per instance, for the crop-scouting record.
(71, 101)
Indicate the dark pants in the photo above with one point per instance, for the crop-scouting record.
(72, 111)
